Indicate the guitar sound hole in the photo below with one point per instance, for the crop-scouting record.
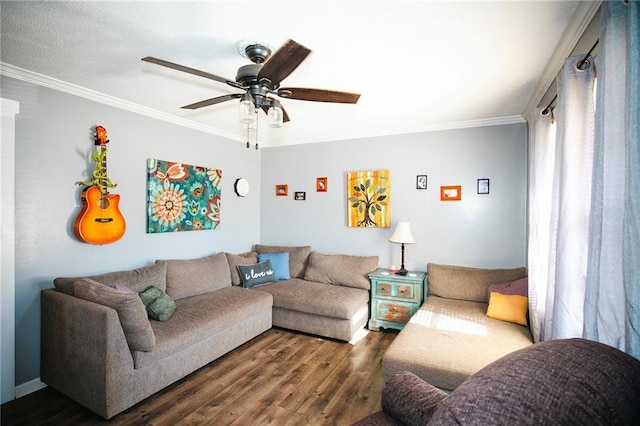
(103, 203)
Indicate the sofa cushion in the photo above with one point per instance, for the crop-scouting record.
(234, 260)
(130, 309)
(462, 283)
(279, 262)
(298, 257)
(341, 269)
(136, 279)
(316, 298)
(448, 340)
(258, 274)
(190, 277)
(199, 318)
(159, 305)
(508, 307)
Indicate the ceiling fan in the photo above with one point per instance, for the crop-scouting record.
(260, 81)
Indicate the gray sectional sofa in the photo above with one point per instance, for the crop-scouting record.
(327, 295)
(451, 337)
(99, 347)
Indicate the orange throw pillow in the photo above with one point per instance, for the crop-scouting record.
(508, 307)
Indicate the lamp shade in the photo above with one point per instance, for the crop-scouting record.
(402, 234)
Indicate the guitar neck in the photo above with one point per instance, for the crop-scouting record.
(103, 170)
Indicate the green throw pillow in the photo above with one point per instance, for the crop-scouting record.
(159, 305)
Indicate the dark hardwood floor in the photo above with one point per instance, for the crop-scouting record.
(279, 378)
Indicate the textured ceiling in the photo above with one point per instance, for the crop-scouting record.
(419, 65)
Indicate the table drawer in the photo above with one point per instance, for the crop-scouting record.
(393, 310)
(405, 291)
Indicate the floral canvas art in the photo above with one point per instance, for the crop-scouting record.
(181, 197)
(368, 200)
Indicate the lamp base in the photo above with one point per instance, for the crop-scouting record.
(401, 271)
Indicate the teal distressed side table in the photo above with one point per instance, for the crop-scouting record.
(394, 298)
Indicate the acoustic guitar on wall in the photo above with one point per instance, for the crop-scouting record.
(100, 220)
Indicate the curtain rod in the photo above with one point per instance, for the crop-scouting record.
(581, 66)
(582, 62)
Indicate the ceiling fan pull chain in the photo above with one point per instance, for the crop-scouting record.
(257, 129)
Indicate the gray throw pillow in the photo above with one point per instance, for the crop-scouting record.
(130, 309)
(159, 305)
(258, 274)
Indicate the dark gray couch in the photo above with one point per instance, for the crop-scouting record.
(559, 382)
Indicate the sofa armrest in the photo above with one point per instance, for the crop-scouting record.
(84, 353)
(411, 400)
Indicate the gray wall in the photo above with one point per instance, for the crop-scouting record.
(481, 230)
(53, 145)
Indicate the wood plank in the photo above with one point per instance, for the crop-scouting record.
(280, 377)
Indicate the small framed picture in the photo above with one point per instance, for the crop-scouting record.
(300, 196)
(421, 182)
(451, 193)
(282, 190)
(483, 186)
(321, 184)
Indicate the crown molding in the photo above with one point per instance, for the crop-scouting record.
(72, 89)
(435, 127)
(579, 22)
(55, 84)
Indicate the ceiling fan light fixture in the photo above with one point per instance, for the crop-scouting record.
(275, 116)
(247, 111)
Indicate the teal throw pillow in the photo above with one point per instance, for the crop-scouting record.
(159, 305)
(280, 262)
(258, 274)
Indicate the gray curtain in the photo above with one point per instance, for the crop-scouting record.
(560, 175)
(612, 305)
(542, 149)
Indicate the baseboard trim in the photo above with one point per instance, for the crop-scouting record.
(29, 387)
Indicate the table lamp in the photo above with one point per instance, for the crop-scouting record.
(402, 235)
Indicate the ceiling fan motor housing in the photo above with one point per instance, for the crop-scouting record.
(247, 75)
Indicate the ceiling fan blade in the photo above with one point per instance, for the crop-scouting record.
(212, 101)
(191, 71)
(319, 95)
(285, 116)
(283, 62)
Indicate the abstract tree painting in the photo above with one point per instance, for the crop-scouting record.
(181, 197)
(368, 196)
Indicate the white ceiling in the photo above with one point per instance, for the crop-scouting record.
(419, 65)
